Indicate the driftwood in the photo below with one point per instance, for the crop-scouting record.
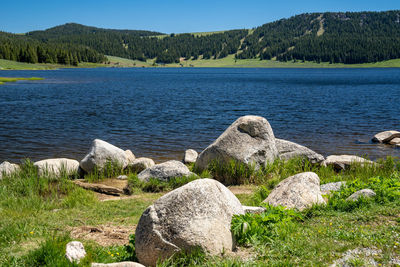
(103, 189)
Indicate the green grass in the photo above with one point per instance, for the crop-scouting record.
(38, 212)
(6, 80)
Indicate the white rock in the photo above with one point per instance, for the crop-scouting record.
(249, 140)
(190, 156)
(299, 192)
(122, 177)
(341, 162)
(130, 156)
(165, 171)
(288, 150)
(366, 193)
(329, 187)
(100, 154)
(395, 141)
(7, 168)
(118, 264)
(75, 251)
(57, 166)
(196, 215)
(140, 164)
(385, 137)
(254, 210)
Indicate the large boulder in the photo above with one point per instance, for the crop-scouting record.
(196, 215)
(130, 156)
(299, 192)
(190, 156)
(140, 164)
(249, 140)
(57, 166)
(342, 162)
(165, 171)
(386, 136)
(7, 168)
(288, 150)
(100, 154)
(365, 193)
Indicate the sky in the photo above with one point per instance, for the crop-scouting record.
(168, 16)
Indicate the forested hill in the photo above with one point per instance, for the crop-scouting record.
(321, 37)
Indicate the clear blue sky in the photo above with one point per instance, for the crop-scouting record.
(169, 16)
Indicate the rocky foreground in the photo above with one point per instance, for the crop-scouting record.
(199, 214)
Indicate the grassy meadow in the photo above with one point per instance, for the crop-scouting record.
(40, 214)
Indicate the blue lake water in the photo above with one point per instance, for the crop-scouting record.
(160, 112)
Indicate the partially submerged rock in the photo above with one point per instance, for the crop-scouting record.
(395, 141)
(75, 251)
(366, 193)
(298, 192)
(165, 171)
(341, 162)
(249, 140)
(57, 166)
(196, 215)
(386, 136)
(329, 187)
(101, 153)
(140, 164)
(288, 150)
(7, 168)
(190, 156)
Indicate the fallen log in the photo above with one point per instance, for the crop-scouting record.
(103, 189)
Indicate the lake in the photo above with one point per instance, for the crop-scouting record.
(160, 112)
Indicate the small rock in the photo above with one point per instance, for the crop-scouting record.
(367, 255)
(288, 150)
(75, 251)
(249, 140)
(341, 162)
(385, 137)
(57, 166)
(299, 192)
(165, 171)
(122, 177)
(254, 210)
(102, 153)
(395, 141)
(190, 156)
(140, 164)
(366, 193)
(130, 156)
(7, 168)
(118, 264)
(329, 187)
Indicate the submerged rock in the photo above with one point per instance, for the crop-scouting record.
(196, 215)
(190, 156)
(395, 141)
(386, 136)
(57, 166)
(298, 192)
(165, 171)
(288, 150)
(102, 153)
(7, 168)
(249, 140)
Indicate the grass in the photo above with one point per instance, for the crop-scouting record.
(6, 80)
(37, 214)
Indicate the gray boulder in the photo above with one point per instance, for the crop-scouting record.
(100, 154)
(249, 140)
(57, 166)
(254, 210)
(118, 264)
(298, 192)
(196, 215)
(366, 193)
(329, 187)
(75, 251)
(140, 164)
(341, 162)
(288, 150)
(7, 168)
(190, 156)
(386, 136)
(165, 171)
